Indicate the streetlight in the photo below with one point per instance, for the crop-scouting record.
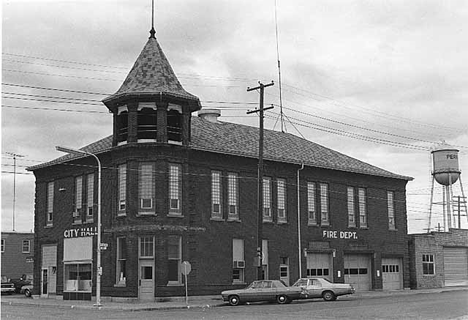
(98, 264)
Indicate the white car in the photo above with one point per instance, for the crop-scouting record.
(317, 287)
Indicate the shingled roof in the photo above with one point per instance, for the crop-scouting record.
(241, 140)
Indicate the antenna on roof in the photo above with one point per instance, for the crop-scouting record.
(279, 72)
(152, 32)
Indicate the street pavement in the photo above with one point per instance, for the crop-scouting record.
(181, 303)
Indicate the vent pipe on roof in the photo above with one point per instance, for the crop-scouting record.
(210, 114)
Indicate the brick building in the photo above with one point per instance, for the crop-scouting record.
(17, 254)
(439, 259)
(180, 187)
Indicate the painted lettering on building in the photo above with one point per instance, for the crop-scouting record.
(81, 232)
(334, 234)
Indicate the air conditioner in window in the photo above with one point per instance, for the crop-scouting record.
(122, 205)
(146, 203)
(239, 264)
(76, 213)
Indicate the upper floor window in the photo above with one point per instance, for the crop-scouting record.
(175, 188)
(281, 200)
(174, 125)
(324, 204)
(90, 197)
(362, 208)
(122, 191)
(233, 195)
(146, 188)
(147, 122)
(78, 199)
(428, 264)
(267, 199)
(391, 210)
(122, 124)
(351, 213)
(3, 245)
(50, 203)
(311, 212)
(216, 208)
(26, 247)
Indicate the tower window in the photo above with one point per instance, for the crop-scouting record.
(147, 123)
(122, 125)
(174, 125)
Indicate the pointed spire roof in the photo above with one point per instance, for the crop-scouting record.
(152, 75)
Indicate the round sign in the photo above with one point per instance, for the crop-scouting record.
(185, 268)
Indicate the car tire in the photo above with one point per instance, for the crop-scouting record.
(328, 296)
(234, 300)
(27, 293)
(282, 299)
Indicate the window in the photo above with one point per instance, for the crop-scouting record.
(146, 247)
(78, 277)
(50, 203)
(391, 210)
(175, 189)
(324, 204)
(174, 256)
(26, 247)
(233, 196)
(264, 259)
(267, 199)
(281, 190)
(428, 264)
(147, 122)
(121, 267)
(174, 126)
(238, 262)
(3, 245)
(362, 208)
(122, 125)
(146, 188)
(90, 197)
(351, 214)
(311, 216)
(216, 209)
(122, 182)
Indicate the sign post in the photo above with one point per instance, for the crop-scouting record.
(185, 268)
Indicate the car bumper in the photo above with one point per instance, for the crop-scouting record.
(8, 290)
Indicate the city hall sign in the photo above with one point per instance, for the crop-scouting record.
(80, 232)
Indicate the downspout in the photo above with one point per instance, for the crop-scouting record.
(299, 221)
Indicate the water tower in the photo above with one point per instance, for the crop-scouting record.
(446, 172)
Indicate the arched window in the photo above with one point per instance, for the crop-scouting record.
(147, 123)
(122, 125)
(174, 125)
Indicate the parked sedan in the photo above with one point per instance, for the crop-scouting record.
(322, 288)
(27, 290)
(263, 290)
(7, 286)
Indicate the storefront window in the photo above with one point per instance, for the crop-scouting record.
(78, 277)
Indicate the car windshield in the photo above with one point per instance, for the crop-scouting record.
(300, 283)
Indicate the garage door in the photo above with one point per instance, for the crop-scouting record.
(319, 264)
(392, 274)
(357, 271)
(456, 266)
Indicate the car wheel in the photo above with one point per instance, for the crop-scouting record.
(282, 299)
(27, 293)
(234, 300)
(328, 296)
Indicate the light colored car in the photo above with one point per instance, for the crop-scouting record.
(7, 286)
(27, 290)
(317, 287)
(262, 290)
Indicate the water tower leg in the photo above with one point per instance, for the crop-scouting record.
(464, 198)
(430, 207)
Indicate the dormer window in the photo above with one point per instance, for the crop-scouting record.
(122, 125)
(147, 122)
(174, 123)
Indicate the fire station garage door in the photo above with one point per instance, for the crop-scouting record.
(456, 266)
(319, 264)
(357, 271)
(392, 274)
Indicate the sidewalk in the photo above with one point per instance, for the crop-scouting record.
(179, 302)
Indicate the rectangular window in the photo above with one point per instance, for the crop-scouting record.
(351, 214)
(216, 209)
(175, 189)
(50, 203)
(312, 218)
(146, 188)
(78, 277)
(265, 259)
(362, 208)
(238, 262)
(174, 256)
(121, 267)
(90, 197)
(267, 199)
(26, 247)
(233, 196)
(3, 245)
(324, 204)
(281, 194)
(122, 182)
(428, 264)
(146, 247)
(391, 210)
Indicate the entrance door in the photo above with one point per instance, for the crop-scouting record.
(392, 274)
(146, 280)
(44, 283)
(284, 273)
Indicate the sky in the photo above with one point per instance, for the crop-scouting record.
(382, 81)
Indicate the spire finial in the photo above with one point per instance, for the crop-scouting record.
(152, 31)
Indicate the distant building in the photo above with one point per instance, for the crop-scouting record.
(17, 254)
(439, 259)
(176, 187)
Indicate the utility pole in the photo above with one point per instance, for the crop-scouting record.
(14, 155)
(258, 260)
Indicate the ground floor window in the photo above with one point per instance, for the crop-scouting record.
(428, 264)
(78, 277)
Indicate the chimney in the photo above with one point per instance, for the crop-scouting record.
(210, 114)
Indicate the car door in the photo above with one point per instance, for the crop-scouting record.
(314, 287)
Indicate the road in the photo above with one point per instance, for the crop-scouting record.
(445, 305)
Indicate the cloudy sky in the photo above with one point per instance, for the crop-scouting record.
(381, 81)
